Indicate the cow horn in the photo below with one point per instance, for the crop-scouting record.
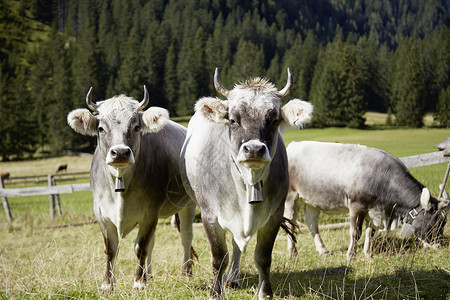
(89, 102)
(144, 101)
(218, 85)
(285, 91)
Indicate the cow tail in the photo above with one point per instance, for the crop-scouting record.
(290, 228)
(176, 224)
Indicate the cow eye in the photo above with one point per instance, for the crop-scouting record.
(137, 128)
(275, 122)
(273, 119)
(101, 130)
(234, 123)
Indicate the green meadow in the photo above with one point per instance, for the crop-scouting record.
(61, 259)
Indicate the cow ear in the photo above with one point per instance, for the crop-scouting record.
(154, 119)
(425, 199)
(296, 113)
(213, 109)
(82, 121)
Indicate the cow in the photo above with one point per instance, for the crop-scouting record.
(135, 177)
(5, 175)
(234, 165)
(61, 168)
(369, 183)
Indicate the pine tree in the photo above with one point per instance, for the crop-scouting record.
(351, 89)
(248, 61)
(326, 88)
(410, 105)
(309, 52)
(170, 81)
(443, 108)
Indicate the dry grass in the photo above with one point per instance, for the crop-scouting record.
(46, 165)
(379, 119)
(68, 263)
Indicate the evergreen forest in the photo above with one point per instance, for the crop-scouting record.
(347, 57)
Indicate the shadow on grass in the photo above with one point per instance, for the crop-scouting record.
(339, 283)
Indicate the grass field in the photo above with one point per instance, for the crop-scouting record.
(68, 263)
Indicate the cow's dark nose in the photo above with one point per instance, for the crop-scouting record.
(254, 150)
(120, 153)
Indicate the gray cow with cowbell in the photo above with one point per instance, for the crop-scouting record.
(234, 164)
(135, 177)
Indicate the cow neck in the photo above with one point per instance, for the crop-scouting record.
(407, 215)
(253, 192)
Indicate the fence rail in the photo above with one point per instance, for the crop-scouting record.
(45, 190)
(426, 159)
(53, 190)
(63, 176)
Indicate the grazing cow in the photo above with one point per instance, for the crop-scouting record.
(135, 177)
(234, 164)
(61, 168)
(370, 183)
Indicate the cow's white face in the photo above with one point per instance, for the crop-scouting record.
(118, 125)
(253, 114)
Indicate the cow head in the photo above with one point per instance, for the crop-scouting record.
(428, 220)
(118, 124)
(253, 113)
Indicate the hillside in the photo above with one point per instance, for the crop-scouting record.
(347, 57)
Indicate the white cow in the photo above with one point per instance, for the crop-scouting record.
(234, 164)
(370, 183)
(135, 177)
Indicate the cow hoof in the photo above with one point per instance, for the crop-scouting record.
(138, 285)
(351, 259)
(368, 256)
(233, 284)
(293, 253)
(324, 252)
(187, 273)
(107, 288)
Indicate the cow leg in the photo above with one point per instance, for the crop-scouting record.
(263, 254)
(234, 273)
(312, 220)
(368, 241)
(291, 208)
(186, 219)
(357, 216)
(111, 239)
(219, 255)
(143, 247)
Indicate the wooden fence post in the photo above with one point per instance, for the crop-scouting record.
(51, 198)
(5, 203)
(446, 153)
(56, 197)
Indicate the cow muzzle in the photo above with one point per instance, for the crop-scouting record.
(120, 156)
(253, 155)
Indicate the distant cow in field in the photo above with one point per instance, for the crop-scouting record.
(370, 183)
(135, 177)
(5, 175)
(234, 163)
(62, 168)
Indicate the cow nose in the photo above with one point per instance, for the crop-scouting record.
(254, 150)
(118, 153)
(120, 156)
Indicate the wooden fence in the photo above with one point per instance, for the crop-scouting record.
(37, 179)
(54, 190)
